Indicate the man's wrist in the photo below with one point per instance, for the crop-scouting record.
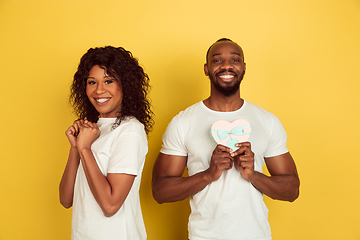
(207, 176)
(252, 178)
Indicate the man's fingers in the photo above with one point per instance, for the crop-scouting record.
(222, 148)
(245, 164)
(224, 164)
(243, 148)
(243, 144)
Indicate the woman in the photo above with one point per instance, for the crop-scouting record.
(108, 146)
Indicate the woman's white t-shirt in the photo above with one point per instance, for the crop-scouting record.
(122, 151)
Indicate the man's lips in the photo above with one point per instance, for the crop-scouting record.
(227, 76)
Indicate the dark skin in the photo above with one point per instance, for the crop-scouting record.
(168, 184)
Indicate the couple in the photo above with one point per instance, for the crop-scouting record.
(226, 185)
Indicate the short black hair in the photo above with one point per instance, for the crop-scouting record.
(220, 40)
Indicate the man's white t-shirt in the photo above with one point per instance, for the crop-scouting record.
(229, 208)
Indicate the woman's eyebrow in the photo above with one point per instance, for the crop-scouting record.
(104, 77)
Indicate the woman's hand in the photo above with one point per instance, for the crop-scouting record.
(73, 131)
(88, 132)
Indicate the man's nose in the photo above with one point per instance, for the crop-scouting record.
(226, 65)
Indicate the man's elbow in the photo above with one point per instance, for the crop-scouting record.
(295, 189)
(158, 198)
(155, 191)
(294, 196)
(290, 191)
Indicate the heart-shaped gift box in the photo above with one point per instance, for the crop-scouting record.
(230, 133)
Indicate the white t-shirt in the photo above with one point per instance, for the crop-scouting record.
(229, 208)
(121, 150)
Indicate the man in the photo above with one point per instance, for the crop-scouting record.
(226, 186)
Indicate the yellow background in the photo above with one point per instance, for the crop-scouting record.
(303, 61)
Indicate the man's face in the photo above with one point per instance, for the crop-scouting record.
(225, 67)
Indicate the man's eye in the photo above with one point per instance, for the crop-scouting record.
(235, 60)
(217, 60)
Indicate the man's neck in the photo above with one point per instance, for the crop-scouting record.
(221, 103)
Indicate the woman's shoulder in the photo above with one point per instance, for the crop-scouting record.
(131, 125)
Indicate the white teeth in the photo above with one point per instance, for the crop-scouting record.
(101, 100)
(226, 76)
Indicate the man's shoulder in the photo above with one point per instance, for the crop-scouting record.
(257, 109)
(187, 116)
(191, 110)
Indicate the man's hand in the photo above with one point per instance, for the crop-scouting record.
(244, 160)
(168, 185)
(283, 184)
(220, 160)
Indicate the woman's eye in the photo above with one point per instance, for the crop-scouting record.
(91, 82)
(109, 81)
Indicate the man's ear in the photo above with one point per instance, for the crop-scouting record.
(206, 70)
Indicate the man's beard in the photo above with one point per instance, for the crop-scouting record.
(227, 90)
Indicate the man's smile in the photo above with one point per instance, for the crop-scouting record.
(227, 76)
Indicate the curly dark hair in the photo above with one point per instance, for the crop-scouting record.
(125, 69)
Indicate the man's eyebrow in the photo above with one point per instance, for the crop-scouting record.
(234, 53)
(216, 54)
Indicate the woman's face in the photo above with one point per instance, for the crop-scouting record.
(104, 92)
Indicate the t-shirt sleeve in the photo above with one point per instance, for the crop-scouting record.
(128, 153)
(278, 138)
(173, 139)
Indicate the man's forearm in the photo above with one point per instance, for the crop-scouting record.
(280, 187)
(172, 189)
